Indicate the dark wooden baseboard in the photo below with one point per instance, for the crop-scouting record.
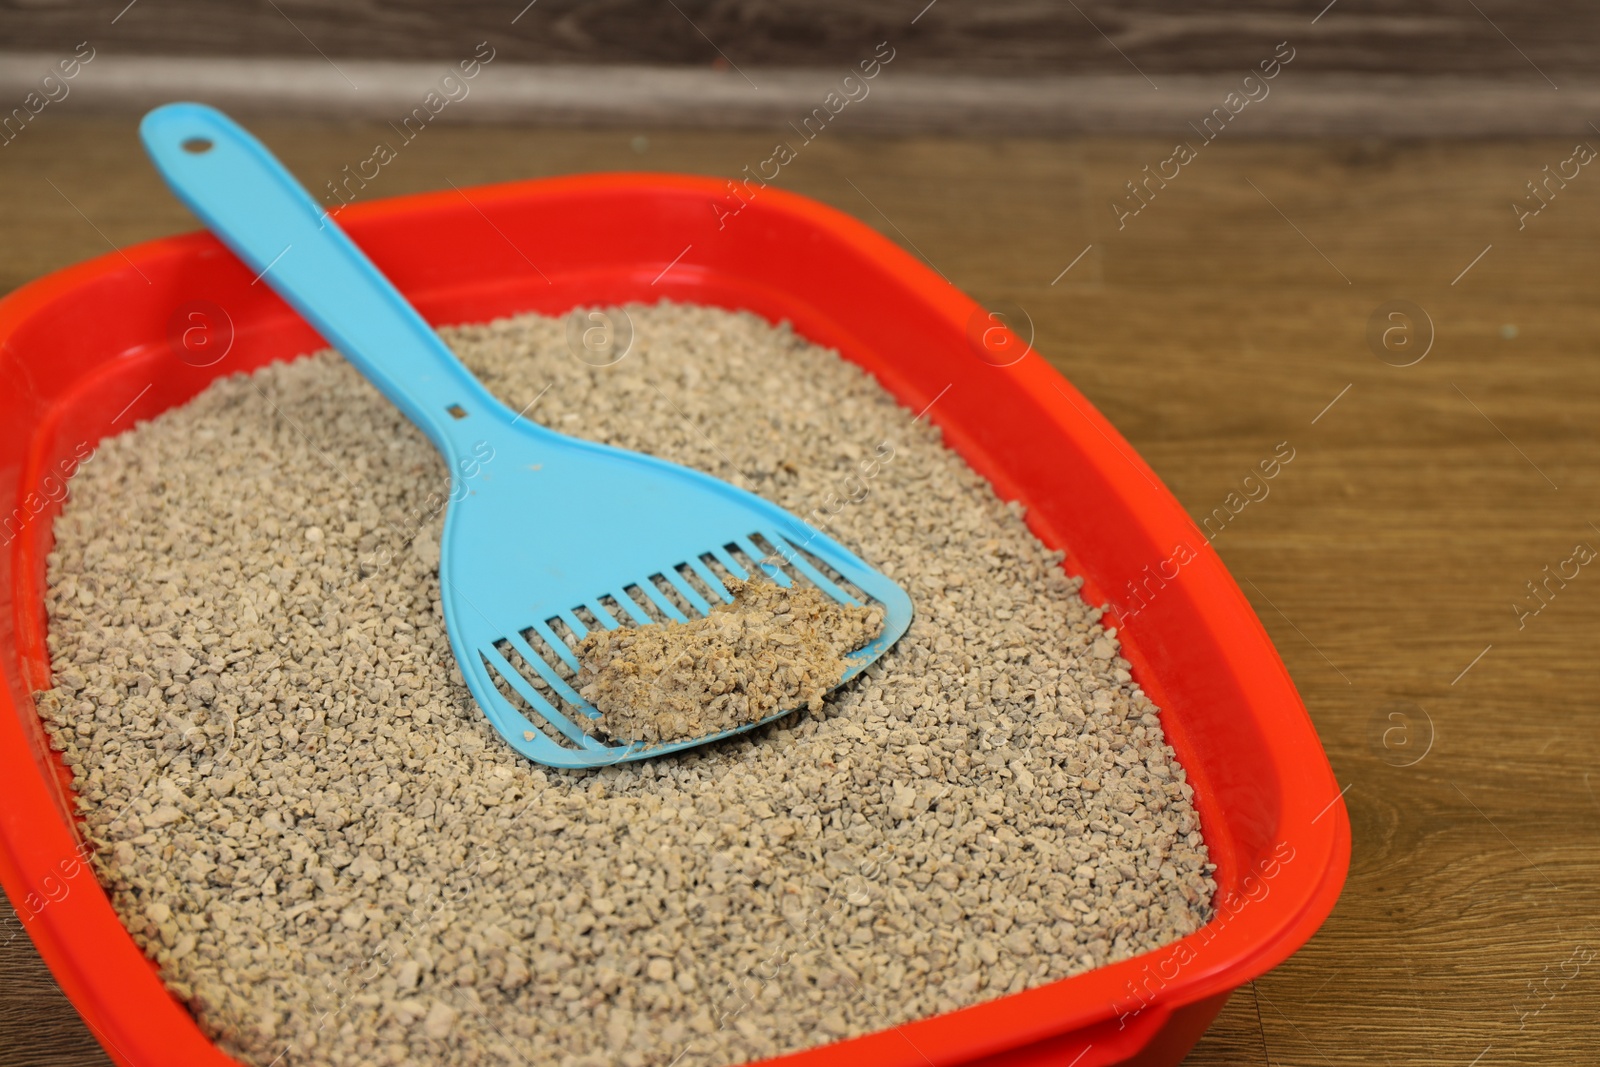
(795, 103)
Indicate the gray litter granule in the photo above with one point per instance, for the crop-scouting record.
(772, 649)
(304, 820)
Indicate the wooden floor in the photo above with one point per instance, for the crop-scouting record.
(1230, 314)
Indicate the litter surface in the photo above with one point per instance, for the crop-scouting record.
(302, 817)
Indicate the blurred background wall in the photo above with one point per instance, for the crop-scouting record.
(1428, 68)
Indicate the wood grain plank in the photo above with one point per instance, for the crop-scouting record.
(38, 1027)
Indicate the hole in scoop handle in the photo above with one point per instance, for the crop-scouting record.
(254, 205)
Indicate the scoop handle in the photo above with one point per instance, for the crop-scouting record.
(254, 205)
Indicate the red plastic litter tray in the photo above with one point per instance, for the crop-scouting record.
(89, 351)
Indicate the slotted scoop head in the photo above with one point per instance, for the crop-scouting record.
(545, 536)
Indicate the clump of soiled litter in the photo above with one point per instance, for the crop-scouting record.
(307, 824)
(773, 649)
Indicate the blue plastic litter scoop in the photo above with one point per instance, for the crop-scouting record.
(546, 536)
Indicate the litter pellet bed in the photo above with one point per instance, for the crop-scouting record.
(305, 820)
